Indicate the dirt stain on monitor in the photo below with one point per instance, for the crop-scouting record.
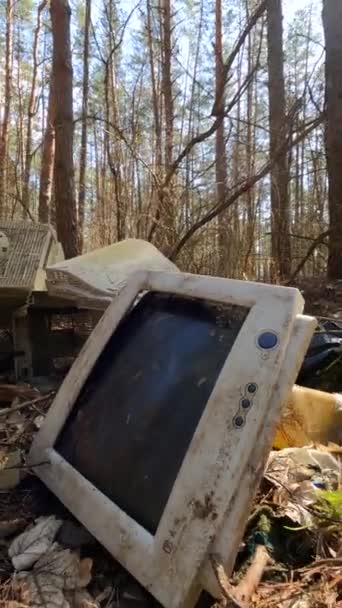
(132, 424)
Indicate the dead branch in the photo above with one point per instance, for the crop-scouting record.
(9, 410)
(226, 588)
(318, 241)
(118, 44)
(247, 185)
(25, 467)
(250, 582)
(119, 132)
(218, 105)
(8, 392)
(220, 115)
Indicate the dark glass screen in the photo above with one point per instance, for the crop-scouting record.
(132, 424)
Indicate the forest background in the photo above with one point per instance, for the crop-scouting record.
(211, 128)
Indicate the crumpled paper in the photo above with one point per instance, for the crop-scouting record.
(29, 546)
(58, 577)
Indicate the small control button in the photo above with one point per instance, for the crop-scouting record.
(238, 422)
(267, 340)
(246, 404)
(252, 388)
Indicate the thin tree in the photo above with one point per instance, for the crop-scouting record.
(47, 163)
(166, 55)
(84, 133)
(62, 75)
(332, 22)
(32, 109)
(220, 146)
(4, 136)
(167, 80)
(280, 210)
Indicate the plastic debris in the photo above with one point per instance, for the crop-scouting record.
(294, 465)
(309, 416)
(325, 348)
(27, 548)
(299, 475)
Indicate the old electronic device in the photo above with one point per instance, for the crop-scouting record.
(157, 439)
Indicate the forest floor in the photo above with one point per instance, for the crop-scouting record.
(291, 555)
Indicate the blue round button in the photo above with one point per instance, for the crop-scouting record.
(238, 422)
(267, 340)
(246, 404)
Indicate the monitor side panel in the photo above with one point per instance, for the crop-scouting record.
(227, 542)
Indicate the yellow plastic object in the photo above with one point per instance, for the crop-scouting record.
(309, 416)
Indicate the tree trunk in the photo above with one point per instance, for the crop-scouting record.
(7, 109)
(64, 128)
(167, 198)
(167, 82)
(220, 146)
(31, 112)
(280, 211)
(47, 163)
(251, 110)
(84, 134)
(157, 197)
(332, 22)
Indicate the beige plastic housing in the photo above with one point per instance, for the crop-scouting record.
(223, 464)
(93, 279)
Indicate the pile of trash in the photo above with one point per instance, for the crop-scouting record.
(55, 563)
(291, 556)
(298, 520)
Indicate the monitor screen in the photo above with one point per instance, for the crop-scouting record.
(137, 412)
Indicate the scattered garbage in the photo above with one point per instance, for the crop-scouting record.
(323, 357)
(27, 548)
(46, 574)
(291, 555)
(185, 427)
(300, 475)
(309, 416)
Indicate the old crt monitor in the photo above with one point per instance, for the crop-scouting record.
(157, 437)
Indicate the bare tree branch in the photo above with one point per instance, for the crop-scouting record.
(318, 241)
(218, 105)
(201, 137)
(247, 185)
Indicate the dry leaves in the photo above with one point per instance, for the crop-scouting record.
(58, 577)
(57, 580)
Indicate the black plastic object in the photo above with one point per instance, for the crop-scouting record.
(324, 349)
(131, 427)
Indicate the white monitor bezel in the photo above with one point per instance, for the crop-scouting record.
(228, 539)
(169, 563)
